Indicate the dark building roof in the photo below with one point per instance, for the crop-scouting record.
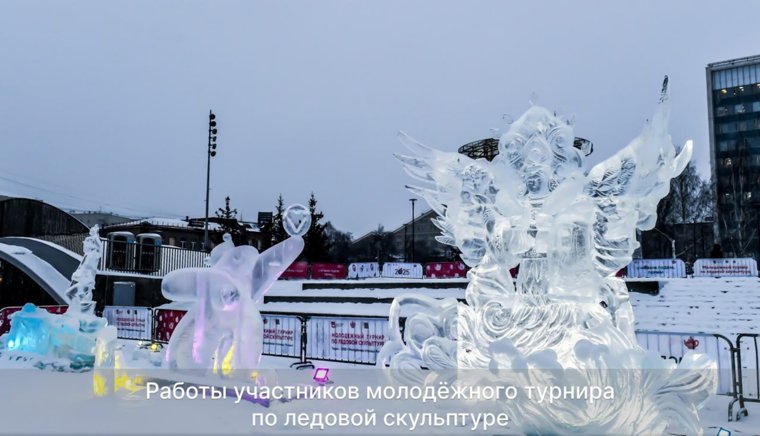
(28, 217)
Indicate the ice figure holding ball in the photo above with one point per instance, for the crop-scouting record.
(223, 332)
(569, 230)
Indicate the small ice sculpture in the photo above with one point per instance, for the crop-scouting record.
(223, 332)
(72, 336)
(569, 230)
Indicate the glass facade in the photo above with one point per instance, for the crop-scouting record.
(734, 105)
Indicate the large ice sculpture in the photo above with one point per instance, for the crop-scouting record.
(69, 337)
(569, 230)
(223, 332)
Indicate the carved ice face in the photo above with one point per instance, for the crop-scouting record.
(539, 147)
(535, 183)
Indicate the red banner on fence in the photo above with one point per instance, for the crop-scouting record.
(165, 321)
(328, 271)
(5, 313)
(440, 270)
(296, 270)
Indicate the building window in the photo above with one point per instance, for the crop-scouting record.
(727, 162)
(727, 128)
(756, 106)
(739, 109)
(748, 196)
(727, 145)
(721, 111)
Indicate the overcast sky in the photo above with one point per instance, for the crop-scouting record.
(104, 104)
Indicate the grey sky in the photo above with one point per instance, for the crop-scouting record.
(104, 104)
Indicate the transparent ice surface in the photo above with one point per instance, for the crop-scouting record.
(223, 332)
(569, 230)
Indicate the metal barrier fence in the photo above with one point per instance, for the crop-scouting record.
(337, 338)
(148, 259)
(673, 345)
(746, 374)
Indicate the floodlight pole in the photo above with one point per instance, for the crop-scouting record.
(413, 200)
(211, 152)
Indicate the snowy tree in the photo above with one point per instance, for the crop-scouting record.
(316, 249)
(690, 199)
(738, 221)
(228, 220)
(277, 228)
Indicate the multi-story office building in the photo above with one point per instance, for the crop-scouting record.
(733, 95)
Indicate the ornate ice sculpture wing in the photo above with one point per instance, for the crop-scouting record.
(627, 187)
(535, 206)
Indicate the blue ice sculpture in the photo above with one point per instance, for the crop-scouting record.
(68, 337)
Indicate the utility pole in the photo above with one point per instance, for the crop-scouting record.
(413, 200)
(211, 153)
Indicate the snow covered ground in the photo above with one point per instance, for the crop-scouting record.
(63, 403)
(729, 306)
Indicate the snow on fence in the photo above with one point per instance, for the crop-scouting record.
(657, 268)
(363, 270)
(731, 267)
(402, 270)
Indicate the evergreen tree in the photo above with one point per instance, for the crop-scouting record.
(228, 220)
(226, 213)
(278, 230)
(317, 248)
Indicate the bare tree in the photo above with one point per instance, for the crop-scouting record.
(689, 202)
(738, 217)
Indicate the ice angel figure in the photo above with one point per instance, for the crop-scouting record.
(569, 230)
